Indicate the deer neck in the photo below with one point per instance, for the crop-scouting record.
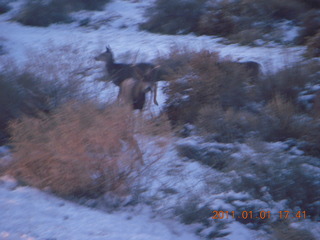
(110, 65)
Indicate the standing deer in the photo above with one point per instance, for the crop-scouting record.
(134, 80)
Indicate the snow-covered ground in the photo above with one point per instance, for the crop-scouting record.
(30, 214)
(27, 213)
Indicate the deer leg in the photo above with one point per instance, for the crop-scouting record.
(119, 95)
(155, 94)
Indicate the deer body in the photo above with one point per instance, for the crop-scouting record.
(134, 80)
(133, 92)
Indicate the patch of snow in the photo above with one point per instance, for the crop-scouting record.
(296, 151)
(238, 232)
(32, 214)
(28, 213)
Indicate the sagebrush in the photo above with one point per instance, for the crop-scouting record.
(76, 150)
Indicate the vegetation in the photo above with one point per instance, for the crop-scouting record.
(4, 7)
(44, 13)
(242, 21)
(221, 97)
(76, 150)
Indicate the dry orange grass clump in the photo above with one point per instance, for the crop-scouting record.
(76, 150)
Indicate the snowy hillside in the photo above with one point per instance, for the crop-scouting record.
(178, 190)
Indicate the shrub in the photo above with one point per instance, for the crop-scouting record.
(21, 93)
(44, 83)
(211, 156)
(201, 79)
(287, 82)
(243, 20)
(227, 125)
(40, 13)
(216, 22)
(277, 176)
(313, 46)
(4, 7)
(192, 211)
(173, 16)
(44, 13)
(310, 24)
(282, 121)
(74, 5)
(247, 36)
(76, 150)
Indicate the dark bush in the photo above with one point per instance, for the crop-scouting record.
(173, 16)
(228, 125)
(214, 158)
(191, 211)
(41, 13)
(288, 178)
(38, 13)
(4, 7)
(18, 95)
(281, 121)
(35, 89)
(73, 5)
(313, 46)
(201, 79)
(216, 22)
(243, 20)
(310, 25)
(287, 82)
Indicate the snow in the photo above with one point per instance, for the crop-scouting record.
(28, 213)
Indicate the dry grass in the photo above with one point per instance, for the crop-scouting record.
(282, 121)
(78, 149)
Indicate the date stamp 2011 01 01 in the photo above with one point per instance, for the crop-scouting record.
(258, 215)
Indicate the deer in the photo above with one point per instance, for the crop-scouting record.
(134, 80)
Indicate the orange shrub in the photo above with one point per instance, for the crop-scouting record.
(76, 150)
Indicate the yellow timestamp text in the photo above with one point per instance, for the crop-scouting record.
(258, 215)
